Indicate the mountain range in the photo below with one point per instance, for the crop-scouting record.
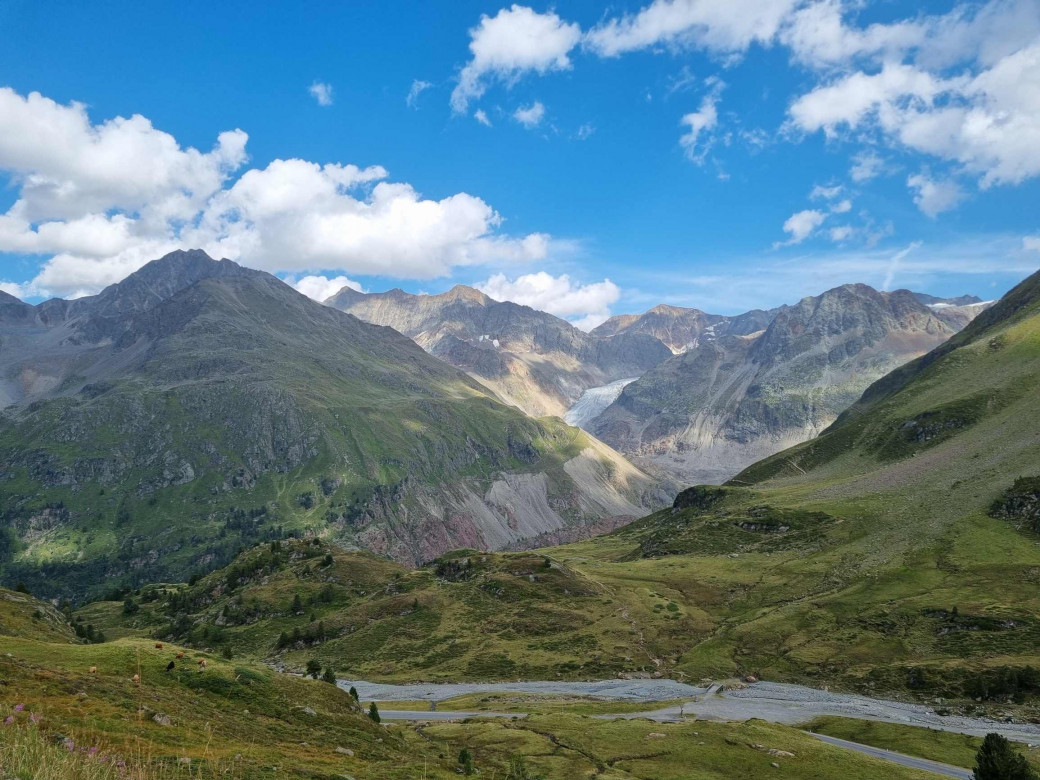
(738, 393)
(153, 429)
(530, 359)
(687, 395)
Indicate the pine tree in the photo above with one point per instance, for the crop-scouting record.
(329, 676)
(373, 713)
(313, 669)
(297, 604)
(997, 760)
(353, 692)
(466, 761)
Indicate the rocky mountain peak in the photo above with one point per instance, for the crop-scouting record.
(462, 292)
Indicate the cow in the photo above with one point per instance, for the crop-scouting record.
(180, 654)
(93, 670)
(202, 664)
(137, 679)
(158, 645)
(170, 666)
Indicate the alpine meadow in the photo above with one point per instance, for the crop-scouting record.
(633, 391)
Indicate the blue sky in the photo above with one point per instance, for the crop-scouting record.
(585, 158)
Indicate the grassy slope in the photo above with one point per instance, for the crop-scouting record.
(242, 721)
(468, 616)
(23, 616)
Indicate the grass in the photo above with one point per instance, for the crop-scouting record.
(935, 745)
(568, 747)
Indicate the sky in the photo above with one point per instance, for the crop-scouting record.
(585, 158)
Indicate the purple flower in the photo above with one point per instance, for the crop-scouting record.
(69, 744)
(92, 751)
(34, 718)
(19, 707)
(9, 720)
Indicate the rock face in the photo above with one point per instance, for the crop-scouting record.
(530, 359)
(682, 329)
(733, 398)
(198, 406)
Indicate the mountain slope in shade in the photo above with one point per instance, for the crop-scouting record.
(198, 405)
(703, 415)
(530, 359)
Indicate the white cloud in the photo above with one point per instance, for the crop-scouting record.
(841, 233)
(842, 207)
(987, 123)
(699, 137)
(322, 287)
(67, 168)
(801, 225)
(17, 290)
(321, 92)
(866, 165)
(530, 116)
(585, 131)
(102, 200)
(1031, 243)
(819, 192)
(515, 41)
(720, 26)
(934, 196)
(559, 295)
(481, 117)
(417, 88)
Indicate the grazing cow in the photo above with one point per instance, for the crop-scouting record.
(169, 666)
(158, 645)
(202, 664)
(180, 654)
(137, 679)
(93, 670)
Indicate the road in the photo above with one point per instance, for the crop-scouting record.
(899, 758)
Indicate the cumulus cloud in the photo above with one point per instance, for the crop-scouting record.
(321, 288)
(417, 88)
(530, 116)
(101, 200)
(934, 196)
(720, 26)
(983, 116)
(321, 92)
(801, 225)
(586, 305)
(515, 41)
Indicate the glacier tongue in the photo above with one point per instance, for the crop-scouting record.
(593, 401)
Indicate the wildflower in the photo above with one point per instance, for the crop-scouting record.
(9, 720)
(34, 718)
(19, 707)
(69, 745)
(92, 750)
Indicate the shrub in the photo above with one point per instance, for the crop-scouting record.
(373, 713)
